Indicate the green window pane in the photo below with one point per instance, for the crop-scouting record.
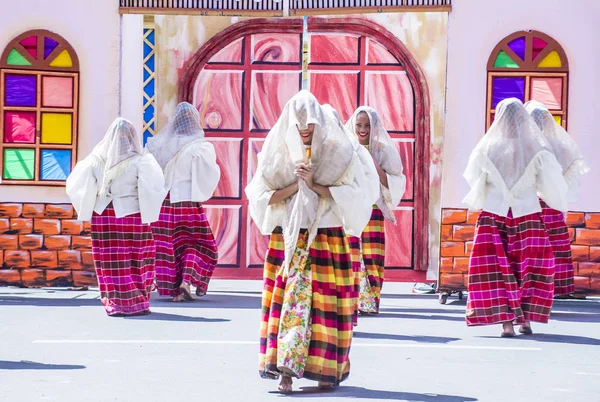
(504, 61)
(18, 164)
(16, 59)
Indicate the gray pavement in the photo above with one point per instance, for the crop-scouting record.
(58, 345)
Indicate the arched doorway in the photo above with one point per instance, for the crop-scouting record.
(241, 78)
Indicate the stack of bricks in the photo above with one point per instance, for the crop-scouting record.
(44, 245)
(458, 232)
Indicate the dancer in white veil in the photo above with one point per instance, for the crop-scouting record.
(307, 189)
(511, 269)
(186, 250)
(367, 127)
(121, 192)
(566, 151)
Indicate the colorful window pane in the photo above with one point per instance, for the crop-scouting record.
(56, 164)
(551, 61)
(57, 128)
(548, 91)
(19, 127)
(57, 91)
(30, 44)
(538, 46)
(17, 59)
(49, 45)
(20, 90)
(504, 61)
(507, 87)
(558, 119)
(18, 164)
(62, 60)
(518, 46)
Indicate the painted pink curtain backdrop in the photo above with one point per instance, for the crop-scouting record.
(232, 53)
(218, 98)
(339, 89)
(228, 159)
(334, 49)
(283, 48)
(270, 92)
(378, 54)
(225, 223)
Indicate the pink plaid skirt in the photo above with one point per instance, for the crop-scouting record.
(186, 250)
(511, 271)
(124, 253)
(558, 234)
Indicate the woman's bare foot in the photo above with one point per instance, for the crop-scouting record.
(186, 292)
(526, 328)
(200, 292)
(178, 298)
(285, 385)
(325, 385)
(508, 330)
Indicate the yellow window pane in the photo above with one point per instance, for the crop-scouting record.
(62, 60)
(551, 61)
(558, 119)
(57, 128)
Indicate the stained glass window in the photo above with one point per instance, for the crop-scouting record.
(39, 76)
(528, 65)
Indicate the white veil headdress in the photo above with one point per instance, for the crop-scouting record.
(331, 157)
(561, 144)
(181, 130)
(384, 151)
(117, 149)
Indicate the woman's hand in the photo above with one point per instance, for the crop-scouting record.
(305, 172)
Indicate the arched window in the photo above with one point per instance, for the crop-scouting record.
(528, 65)
(39, 92)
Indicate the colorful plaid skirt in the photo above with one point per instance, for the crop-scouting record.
(186, 250)
(124, 252)
(357, 264)
(332, 307)
(558, 234)
(511, 271)
(372, 265)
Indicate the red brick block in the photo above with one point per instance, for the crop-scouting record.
(452, 281)
(587, 237)
(582, 284)
(468, 247)
(71, 227)
(464, 233)
(16, 258)
(46, 226)
(84, 278)
(87, 228)
(61, 242)
(595, 254)
(21, 225)
(57, 277)
(592, 220)
(11, 210)
(595, 286)
(33, 210)
(1, 258)
(571, 235)
(453, 249)
(62, 211)
(81, 242)
(472, 217)
(31, 241)
(446, 264)
(33, 278)
(69, 259)
(575, 219)
(10, 277)
(451, 216)
(87, 258)
(4, 225)
(44, 259)
(446, 232)
(588, 269)
(461, 264)
(9, 242)
(580, 253)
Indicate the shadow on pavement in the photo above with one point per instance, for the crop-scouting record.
(28, 365)
(554, 338)
(173, 317)
(414, 317)
(365, 393)
(418, 338)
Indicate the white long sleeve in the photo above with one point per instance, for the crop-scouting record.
(266, 216)
(151, 188)
(206, 173)
(82, 186)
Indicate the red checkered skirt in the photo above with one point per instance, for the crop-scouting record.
(558, 234)
(332, 301)
(511, 271)
(124, 252)
(186, 250)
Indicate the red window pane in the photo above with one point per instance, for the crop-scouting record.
(270, 92)
(548, 91)
(225, 224)
(19, 127)
(255, 146)
(257, 245)
(407, 154)
(334, 49)
(283, 48)
(338, 88)
(398, 253)
(228, 158)
(218, 98)
(378, 54)
(391, 94)
(231, 54)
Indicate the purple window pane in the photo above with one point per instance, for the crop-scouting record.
(49, 45)
(518, 46)
(507, 87)
(21, 90)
